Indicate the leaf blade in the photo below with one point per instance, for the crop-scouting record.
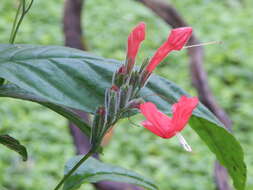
(93, 171)
(231, 157)
(14, 145)
(13, 91)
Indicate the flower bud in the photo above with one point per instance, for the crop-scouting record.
(114, 88)
(122, 70)
(97, 126)
(101, 111)
(120, 76)
(134, 40)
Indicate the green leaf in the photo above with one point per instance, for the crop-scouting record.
(13, 144)
(1, 81)
(57, 74)
(93, 171)
(227, 151)
(76, 79)
(13, 91)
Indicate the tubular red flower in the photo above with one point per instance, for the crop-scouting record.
(164, 126)
(176, 40)
(134, 40)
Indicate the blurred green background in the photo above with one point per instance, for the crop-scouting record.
(107, 24)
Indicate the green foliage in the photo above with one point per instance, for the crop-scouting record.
(45, 71)
(93, 171)
(230, 74)
(38, 130)
(1, 81)
(13, 144)
(229, 156)
(12, 90)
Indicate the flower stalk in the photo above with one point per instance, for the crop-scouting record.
(127, 82)
(86, 156)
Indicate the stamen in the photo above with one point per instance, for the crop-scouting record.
(203, 44)
(183, 142)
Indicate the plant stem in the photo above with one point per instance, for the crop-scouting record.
(15, 31)
(15, 23)
(18, 20)
(74, 169)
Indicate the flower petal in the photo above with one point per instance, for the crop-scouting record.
(154, 129)
(176, 40)
(159, 55)
(182, 111)
(179, 36)
(153, 115)
(134, 40)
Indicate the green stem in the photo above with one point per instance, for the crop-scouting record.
(19, 23)
(74, 169)
(18, 20)
(29, 6)
(15, 23)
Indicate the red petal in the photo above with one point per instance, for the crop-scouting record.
(170, 134)
(179, 36)
(176, 40)
(134, 40)
(182, 111)
(153, 115)
(159, 55)
(154, 129)
(157, 122)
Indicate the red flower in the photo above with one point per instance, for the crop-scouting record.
(176, 40)
(134, 40)
(164, 126)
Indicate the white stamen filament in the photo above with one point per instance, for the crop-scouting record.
(203, 44)
(183, 142)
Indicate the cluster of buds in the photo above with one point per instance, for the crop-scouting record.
(123, 95)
